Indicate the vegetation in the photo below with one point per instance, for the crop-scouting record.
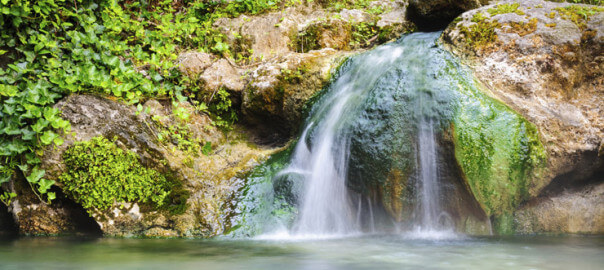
(125, 49)
(578, 14)
(499, 152)
(506, 8)
(99, 174)
(482, 33)
(589, 2)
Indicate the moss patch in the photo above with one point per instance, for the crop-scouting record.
(100, 174)
(506, 8)
(482, 33)
(523, 28)
(579, 15)
(498, 150)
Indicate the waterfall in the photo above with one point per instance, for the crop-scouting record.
(393, 89)
(326, 206)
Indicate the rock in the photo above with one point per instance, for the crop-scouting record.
(436, 14)
(278, 90)
(222, 74)
(268, 35)
(572, 211)
(194, 63)
(208, 177)
(277, 43)
(541, 59)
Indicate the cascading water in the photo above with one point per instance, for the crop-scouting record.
(370, 156)
(326, 206)
(322, 153)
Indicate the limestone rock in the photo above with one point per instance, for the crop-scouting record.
(545, 64)
(572, 211)
(272, 48)
(222, 74)
(194, 63)
(278, 90)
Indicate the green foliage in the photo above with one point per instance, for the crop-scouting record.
(99, 174)
(179, 134)
(338, 6)
(126, 49)
(220, 104)
(361, 33)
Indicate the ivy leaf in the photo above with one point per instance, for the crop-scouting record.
(8, 90)
(48, 137)
(40, 125)
(36, 175)
(23, 168)
(44, 185)
(13, 148)
(59, 141)
(51, 196)
(221, 47)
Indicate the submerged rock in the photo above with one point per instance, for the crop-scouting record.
(542, 59)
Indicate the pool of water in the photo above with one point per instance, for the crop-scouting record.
(362, 252)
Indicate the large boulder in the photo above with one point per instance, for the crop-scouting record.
(171, 140)
(543, 59)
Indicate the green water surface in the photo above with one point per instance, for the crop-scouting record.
(363, 252)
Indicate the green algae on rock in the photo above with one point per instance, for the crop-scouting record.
(498, 150)
(267, 201)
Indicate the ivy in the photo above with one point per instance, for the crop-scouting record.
(125, 49)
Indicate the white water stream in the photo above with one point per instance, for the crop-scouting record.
(322, 153)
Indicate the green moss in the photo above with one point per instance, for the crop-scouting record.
(506, 8)
(99, 174)
(589, 2)
(482, 32)
(523, 28)
(266, 201)
(504, 224)
(579, 15)
(498, 150)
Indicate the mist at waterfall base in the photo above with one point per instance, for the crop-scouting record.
(392, 101)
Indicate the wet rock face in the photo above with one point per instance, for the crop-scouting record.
(206, 181)
(430, 15)
(543, 59)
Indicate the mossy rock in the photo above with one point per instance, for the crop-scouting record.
(99, 174)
